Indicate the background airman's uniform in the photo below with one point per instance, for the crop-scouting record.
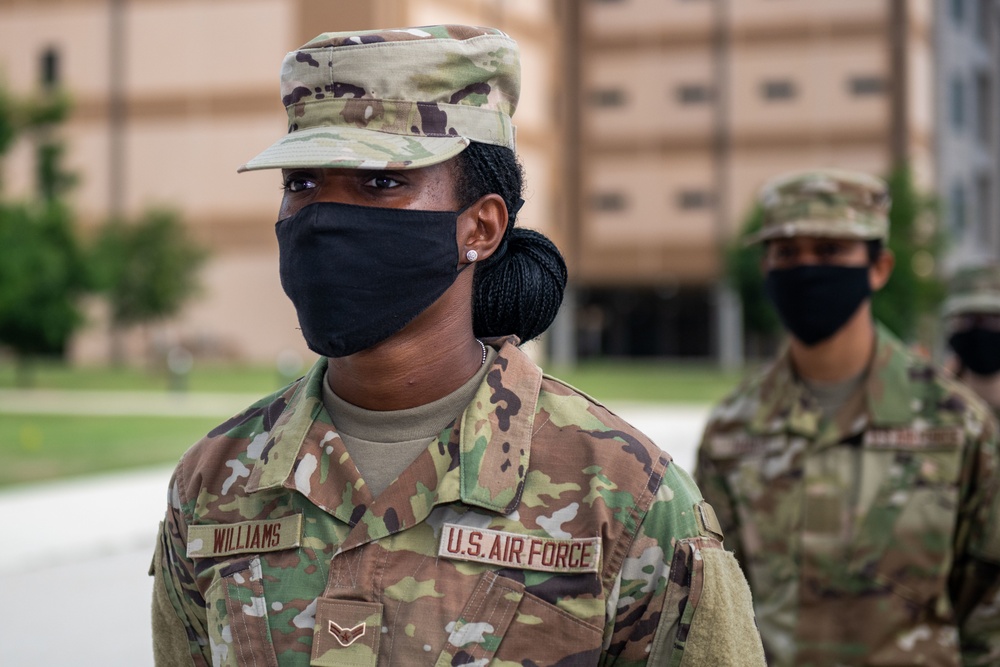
(871, 537)
(974, 292)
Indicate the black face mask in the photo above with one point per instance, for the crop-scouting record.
(358, 274)
(979, 349)
(813, 302)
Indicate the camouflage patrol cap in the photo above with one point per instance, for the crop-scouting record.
(829, 203)
(974, 290)
(395, 99)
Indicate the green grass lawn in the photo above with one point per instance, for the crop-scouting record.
(608, 380)
(649, 381)
(41, 447)
(204, 377)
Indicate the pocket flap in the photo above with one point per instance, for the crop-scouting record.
(477, 633)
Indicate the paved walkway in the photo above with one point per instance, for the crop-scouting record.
(75, 553)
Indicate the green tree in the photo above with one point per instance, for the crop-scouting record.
(146, 268)
(914, 290)
(42, 270)
(41, 276)
(916, 239)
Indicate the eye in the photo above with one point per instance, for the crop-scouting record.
(829, 250)
(784, 250)
(382, 182)
(298, 183)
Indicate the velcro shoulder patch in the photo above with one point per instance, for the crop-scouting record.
(516, 550)
(225, 539)
(941, 437)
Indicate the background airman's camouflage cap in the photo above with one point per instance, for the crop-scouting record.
(395, 99)
(974, 290)
(829, 203)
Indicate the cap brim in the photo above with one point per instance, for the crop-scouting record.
(355, 148)
(817, 228)
(973, 303)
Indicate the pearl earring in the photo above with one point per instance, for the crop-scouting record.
(472, 255)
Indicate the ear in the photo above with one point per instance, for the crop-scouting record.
(481, 227)
(879, 272)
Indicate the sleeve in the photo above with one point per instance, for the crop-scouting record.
(715, 489)
(975, 579)
(178, 614)
(681, 598)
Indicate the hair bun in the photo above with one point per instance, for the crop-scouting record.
(520, 291)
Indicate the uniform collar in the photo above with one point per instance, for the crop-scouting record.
(481, 459)
(786, 404)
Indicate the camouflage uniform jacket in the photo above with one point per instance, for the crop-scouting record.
(538, 529)
(872, 538)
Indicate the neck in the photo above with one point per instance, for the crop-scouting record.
(841, 357)
(986, 387)
(429, 358)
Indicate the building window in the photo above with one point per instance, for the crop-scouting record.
(957, 103)
(693, 93)
(984, 108)
(781, 89)
(867, 85)
(983, 20)
(608, 202)
(609, 97)
(958, 209)
(957, 11)
(49, 63)
(984, 197)
(690, 200)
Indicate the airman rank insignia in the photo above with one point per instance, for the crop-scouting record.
(517, 550)
(346, 632)
(346, 636)
(225, 539)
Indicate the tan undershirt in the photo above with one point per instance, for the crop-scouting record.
(832, 396)
(382, 443)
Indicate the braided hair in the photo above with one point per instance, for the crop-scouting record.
(519, 288)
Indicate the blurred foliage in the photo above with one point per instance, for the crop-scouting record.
(42, 266)
(915, 288)
(42, 274)
(917, 239)
(743, 266)
(146, 268)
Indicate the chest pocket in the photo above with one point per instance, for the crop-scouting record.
(237, 617)
(502, 621)
(764, 475)
(904, 540)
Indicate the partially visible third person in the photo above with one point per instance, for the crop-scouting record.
(972, 323)
(856, 483)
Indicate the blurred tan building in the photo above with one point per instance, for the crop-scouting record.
(688, 106)
(171, 96)
(645, 126)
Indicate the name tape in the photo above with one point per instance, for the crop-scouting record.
(244, 537)
(525, 552)
(912, 438)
